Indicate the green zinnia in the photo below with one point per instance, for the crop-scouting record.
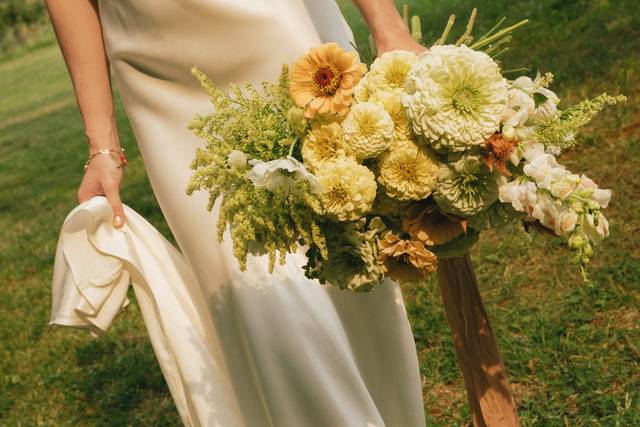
(466, 187)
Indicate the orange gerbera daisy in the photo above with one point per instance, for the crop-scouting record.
(323, 81)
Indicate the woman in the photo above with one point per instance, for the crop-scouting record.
(296, 353)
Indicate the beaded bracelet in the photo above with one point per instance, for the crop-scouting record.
(110, 151)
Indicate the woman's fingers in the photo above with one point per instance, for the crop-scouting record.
(113, 196)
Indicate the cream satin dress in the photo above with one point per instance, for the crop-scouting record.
(237, 349)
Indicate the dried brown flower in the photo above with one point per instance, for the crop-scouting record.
(497, 150)
(427, 224)
(406, 261)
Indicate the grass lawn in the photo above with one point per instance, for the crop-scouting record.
(572, 351)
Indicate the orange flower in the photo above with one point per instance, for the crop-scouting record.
(323, 81)
(497, 150)
(406, 261)
(430, 226)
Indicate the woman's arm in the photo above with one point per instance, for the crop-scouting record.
(79, 33)
(387, 27)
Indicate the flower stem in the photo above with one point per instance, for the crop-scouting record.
(292, 146)
(498, 35)
(446, 31)
(467, 33)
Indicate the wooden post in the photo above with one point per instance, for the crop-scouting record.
(478, 357)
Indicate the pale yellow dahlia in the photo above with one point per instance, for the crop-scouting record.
(389, 71)
(323, 80)
(348, 189)
(455, 97)
(368, 130)
(392, 103)
(409, 172)
(406, 261)
(323, 143)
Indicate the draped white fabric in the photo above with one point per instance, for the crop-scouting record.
(94, 266)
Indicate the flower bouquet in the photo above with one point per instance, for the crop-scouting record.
(380, 173)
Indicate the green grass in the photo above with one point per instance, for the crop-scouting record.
(572, 351)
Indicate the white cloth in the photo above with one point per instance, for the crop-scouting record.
(281, 350)
(94, 266)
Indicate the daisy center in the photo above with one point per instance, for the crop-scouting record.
(326, 80)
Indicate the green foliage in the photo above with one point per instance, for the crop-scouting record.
(257, 124)
(561, 130)
(20, 21)
(20, 12)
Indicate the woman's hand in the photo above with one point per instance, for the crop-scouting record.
(79, 33)
(400, 41)
(103, 178)
(387, 27)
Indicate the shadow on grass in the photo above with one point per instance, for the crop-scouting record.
(122, 383)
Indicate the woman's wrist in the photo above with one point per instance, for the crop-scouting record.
(389, 29)
(390, 38)
(102, 139)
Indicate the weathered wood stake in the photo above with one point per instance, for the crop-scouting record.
(485, 379)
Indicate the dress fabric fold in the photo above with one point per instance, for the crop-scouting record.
(94, 267)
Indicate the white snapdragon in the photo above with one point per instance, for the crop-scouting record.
(544, 169)
(566, 222)
(521, 195)
(519, 106)
(552, 213)
(532, 87)
(594, 226)
(521, 115)
(545, 111)
(600, 195)
(563, 186)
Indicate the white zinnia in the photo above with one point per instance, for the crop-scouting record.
(367, 130)
(455, 97)
(280, 174)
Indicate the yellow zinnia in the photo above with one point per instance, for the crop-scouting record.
(347, 189)
(392, 103)
(390, 70)
(323, 143)
(409, 172)
(323, 81)
(368, 130)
